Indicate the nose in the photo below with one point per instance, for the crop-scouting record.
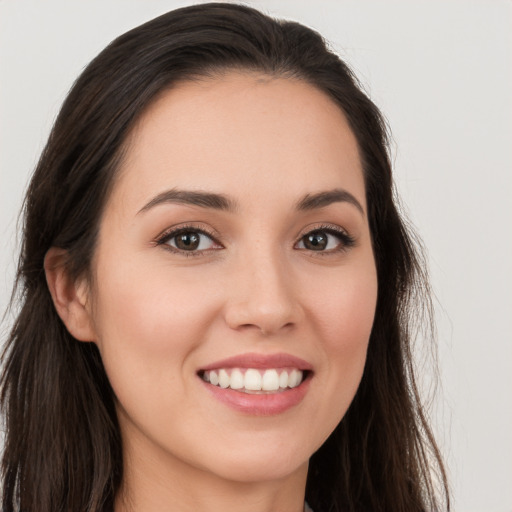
(262, 296)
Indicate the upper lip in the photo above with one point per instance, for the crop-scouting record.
(260, 361)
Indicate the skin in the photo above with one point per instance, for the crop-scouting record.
(159, 315)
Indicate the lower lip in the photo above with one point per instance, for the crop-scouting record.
(260, 405)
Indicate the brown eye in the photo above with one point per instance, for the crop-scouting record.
(189, 240)
(315, 241)
(325, 240)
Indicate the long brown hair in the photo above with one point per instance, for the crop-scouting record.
(62, 445)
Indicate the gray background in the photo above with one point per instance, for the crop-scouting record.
(442, 73)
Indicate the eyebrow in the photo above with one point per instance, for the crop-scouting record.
(222, 202)
(194, 198)
(323, 199)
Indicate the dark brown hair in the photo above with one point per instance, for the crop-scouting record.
(63, 446)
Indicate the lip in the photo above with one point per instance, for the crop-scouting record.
(260, 404)
(261, 361)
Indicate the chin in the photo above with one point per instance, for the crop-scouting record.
(259, 462)
(251, 471)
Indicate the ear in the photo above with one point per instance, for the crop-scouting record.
(70, 297)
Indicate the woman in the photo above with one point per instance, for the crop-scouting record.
(216, 286)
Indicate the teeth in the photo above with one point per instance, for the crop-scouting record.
(224, 380)
(270, 381)
(251, 380)
(294, 378)
(237, 379)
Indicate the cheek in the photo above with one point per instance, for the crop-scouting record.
(149, 307)
(344, 319)
(148, 324)
(345, 308)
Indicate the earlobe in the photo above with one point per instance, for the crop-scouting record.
(70, 296)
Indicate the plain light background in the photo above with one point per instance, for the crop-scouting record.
(441, 71)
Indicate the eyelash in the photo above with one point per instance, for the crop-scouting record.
(346, 240)
(174, 232)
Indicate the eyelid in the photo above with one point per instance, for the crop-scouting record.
(172, 231)
(346, 239)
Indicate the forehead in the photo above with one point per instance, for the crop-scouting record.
(241, 134)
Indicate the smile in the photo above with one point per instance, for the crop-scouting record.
(252, 380)
(258, 384)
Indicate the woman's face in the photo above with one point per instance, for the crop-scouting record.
(234, 255)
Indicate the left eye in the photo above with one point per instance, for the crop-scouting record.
(322, 240)
(189, 240)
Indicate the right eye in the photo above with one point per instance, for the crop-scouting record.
(188, 240)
